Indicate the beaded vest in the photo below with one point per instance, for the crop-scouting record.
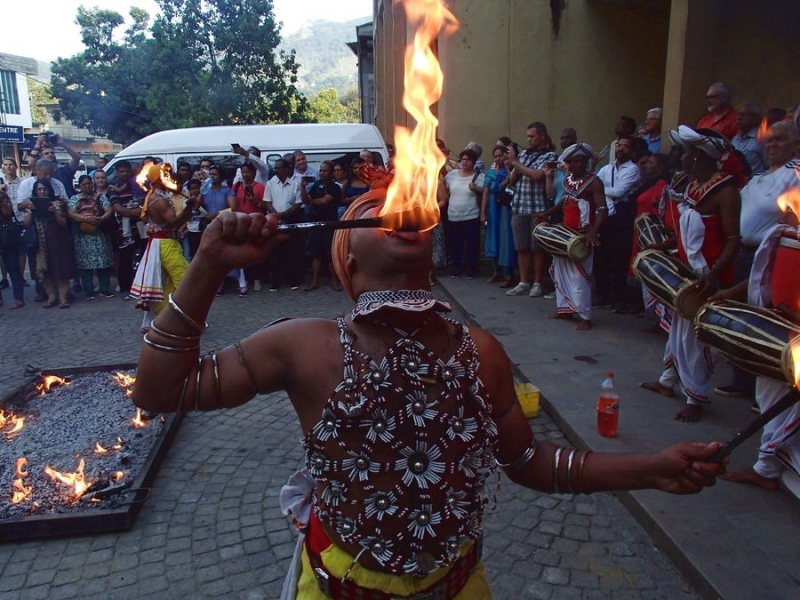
(402, 453)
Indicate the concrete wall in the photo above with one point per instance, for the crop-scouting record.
(507, 65)
(751, 46)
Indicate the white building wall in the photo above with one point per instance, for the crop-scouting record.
(24, 119)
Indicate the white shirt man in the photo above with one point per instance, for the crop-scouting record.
(253, 156)
(621, 177)
(44, 170)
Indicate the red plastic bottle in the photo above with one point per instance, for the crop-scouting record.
(608, 408)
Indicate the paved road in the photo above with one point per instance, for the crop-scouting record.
(212, 527)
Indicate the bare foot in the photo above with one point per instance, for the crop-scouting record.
(584, 325)
(655, 386)
(558, 315)
(690, 414)
(310, 287)
(751, 477)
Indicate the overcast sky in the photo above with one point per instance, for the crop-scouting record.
(53, 34)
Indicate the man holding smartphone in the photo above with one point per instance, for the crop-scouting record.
(253, 156)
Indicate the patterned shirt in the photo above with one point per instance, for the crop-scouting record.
(530, 197)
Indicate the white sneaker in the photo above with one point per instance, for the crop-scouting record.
(536, 290)
(257, 286)
(550, 296)
(519, 290)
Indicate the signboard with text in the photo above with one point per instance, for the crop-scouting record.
(11, 133)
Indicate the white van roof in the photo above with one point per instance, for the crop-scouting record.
(268, 138)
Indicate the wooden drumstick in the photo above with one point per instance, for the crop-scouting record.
(756, 424)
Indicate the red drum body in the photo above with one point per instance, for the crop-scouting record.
(669, 280)
(786, 274)
(650, 230)
(755, 339)
(563, 241)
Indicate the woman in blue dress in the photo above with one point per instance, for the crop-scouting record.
(498, 244)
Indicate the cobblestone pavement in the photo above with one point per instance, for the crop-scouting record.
(212, 527)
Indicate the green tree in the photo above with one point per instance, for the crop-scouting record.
(201, 62)
(40, 100)
(327, 107)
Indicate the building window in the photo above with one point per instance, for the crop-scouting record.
(9, 98)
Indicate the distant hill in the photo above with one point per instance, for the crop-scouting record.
(325, 60)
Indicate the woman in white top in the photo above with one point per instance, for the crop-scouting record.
(462, 189)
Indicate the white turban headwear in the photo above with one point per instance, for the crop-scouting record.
(574, 150)
(713, 145)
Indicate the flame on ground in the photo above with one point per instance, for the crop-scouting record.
(123, 379)
(12, 421)
(118, 476)
(21, 492)
(75, 480)
(418, 159)
(48, 381)
(138, 421)
(99, 449)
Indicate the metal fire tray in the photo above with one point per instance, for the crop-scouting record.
(102, 520)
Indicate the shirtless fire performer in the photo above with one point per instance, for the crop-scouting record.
(405, 414)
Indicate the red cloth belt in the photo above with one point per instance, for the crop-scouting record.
(446, 588)
(163, 234)
(785, 266)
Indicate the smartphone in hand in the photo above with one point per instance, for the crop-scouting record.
(236, 147)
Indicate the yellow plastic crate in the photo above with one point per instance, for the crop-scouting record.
(528, 396)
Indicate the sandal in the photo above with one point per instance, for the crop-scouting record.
(17, 304)
(64, 305)
(507, 283)
(49, 304)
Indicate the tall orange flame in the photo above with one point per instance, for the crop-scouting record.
(21, 491)
(418, 160)
(762, 131)
(75, 480)
(790, 200)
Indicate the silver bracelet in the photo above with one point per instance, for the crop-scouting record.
(217, 386)
(522, 460)
(556, 464)
(163, 348)
(570, 458)
(197, 384)
(172, 336)
(186, 318)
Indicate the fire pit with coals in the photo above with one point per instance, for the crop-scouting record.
(75, 455)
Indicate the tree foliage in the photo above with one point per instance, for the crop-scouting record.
(200, 62)
(327, 107)
(40, 100)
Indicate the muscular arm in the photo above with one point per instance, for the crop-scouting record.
(678, 469)
(162, 212)
(601, 211)
(729, 202)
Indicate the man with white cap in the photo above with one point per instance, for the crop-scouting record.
(585, 211)
(708, 240)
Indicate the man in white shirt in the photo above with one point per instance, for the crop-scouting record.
(303, 172)
(44, 170)
(282, 195)
(620, 179)
(746, 141)
(253, 156)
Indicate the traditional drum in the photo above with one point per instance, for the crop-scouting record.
(785, 269)
(755, 339)
(669, 280)
(561, 240)
(650, 230)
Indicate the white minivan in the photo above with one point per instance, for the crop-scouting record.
(335, 141)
